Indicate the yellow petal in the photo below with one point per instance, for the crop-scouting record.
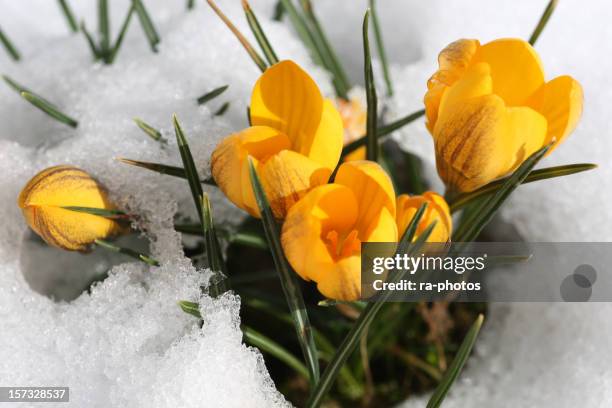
(345, 281)
(516, 69)
(286, 98)
(287, 176)
(472, 144)
(453, 61)
(475, 82)
(373, 190)
(66, 186)
(527, 133)
(229, 164)
(437, 210)
(560, 101)
(326, 208)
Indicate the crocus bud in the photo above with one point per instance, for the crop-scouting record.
(43, 199)
(489, 108)
(437, 210)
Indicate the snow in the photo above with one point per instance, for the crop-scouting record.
(129, 334)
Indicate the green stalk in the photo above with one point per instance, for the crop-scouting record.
(101, 212)
(367, 316)
(72, 24)
(163, 169)
(288, 278)
(218, 282)
(149, 130)
(126, 251)
(119, 41)
(104, 27)
(222, 109)
(49, 109)
(457, 365)
(190, 4)
(371, 137)
(191, 172)
(382, 131)
(259, 34)
(299, 24)
(548, 11)
(382, 54)
(90, 41)
(212, 94)
(9, 47)
(535, 175)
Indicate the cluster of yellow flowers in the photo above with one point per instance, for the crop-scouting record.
(488, 108)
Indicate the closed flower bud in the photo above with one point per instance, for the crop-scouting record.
(437, 210)
(489, 108)
(43, 199)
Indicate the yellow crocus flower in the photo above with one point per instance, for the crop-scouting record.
(323, 232)
(43, 197)
(489, 107)
(437, 210)
(295, 141)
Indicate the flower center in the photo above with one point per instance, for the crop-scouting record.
(341, 246)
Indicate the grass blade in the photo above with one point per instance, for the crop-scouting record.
(191, 308)
(341, 81)
(455, 368)
(279, 11)
(101, 212)
(365, 318)
(477, 220)
(147, 24)
(190, 4)
(149, 130)
(218, 282)
(49, 109)
(399, 123)
(104, 27)
(90, 41)
(259, 34)
(222, 109)
(288, 280)
(162, 169)
(191, 172)
(126, 251)
(67, 11)
(372, 100)
(382, 54)
(548, 11)
(212, 94)
(241, 38)
(535, 175)
(9, 47)
(239, 238)
(119, 41)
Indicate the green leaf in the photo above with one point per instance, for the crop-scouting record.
(288, 278)
(218, 283)
(382, 54)
(104, 27)
(222, 109)
(257, 59)
(371, 137)
(383, 131)
(548, 11)
(147, 24)
(279, 11)
(190, 4)
(72, 24)
(119, 41)
(126, 251)
(341, 82)
(102, 212)
(9, 47)
(212, 94)
(299, 24)
(240, 238)
(90, 41)
(267, 345)
(150, 130)
(457, 365)
(365, 318)
(535, 175)
(191, 172)
(481, 216)
(41, 103)
(49, 109)
(259, 34)
(191, 308)
(162, 169)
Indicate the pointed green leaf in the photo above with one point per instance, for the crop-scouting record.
(212, 94)
(104, 27)
(222, 109)
(90, 41)
(126, 251)
(259, 34)
(548, 11)
(9, 47)
(371, 137)
(162, 169)
(150, 130)
(119, 41)
(288, 278)
(49, 109)
(457, 365)
(190, 4)
(72, 24)
(191, 172)
(147, 24)
(191, 308)
(102, 212)
(382, 54)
